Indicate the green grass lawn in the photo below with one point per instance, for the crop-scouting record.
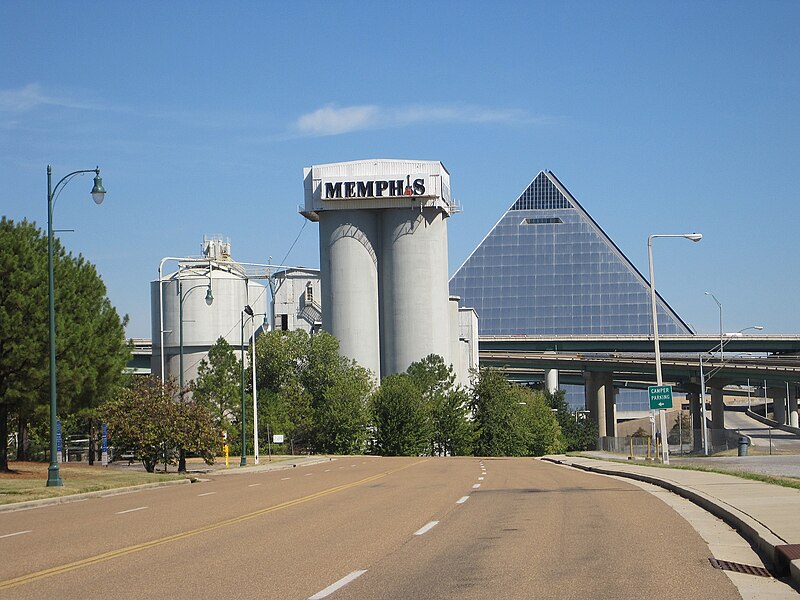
(28, 480)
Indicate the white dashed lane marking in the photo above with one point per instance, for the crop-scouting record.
(130, 510)
(15, 533)
(206, 494)
(476, 486)
(426, 528)
(339, 584)
(462, 500)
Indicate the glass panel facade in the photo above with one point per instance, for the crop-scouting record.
(548, 268)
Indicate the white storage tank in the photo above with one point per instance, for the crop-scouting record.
(211, 295)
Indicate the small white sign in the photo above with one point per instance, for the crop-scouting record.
(277, 438)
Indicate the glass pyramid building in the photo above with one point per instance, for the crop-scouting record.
(547, 267)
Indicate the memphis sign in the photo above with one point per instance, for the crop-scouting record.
(660, 397)
(380, 188)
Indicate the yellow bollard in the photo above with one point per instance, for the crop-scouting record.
(648, 448)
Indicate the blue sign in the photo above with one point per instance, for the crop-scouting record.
(58, 441)
(105, 446)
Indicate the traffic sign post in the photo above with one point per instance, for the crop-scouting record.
(660, 397)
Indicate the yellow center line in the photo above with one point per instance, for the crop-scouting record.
(92, 560)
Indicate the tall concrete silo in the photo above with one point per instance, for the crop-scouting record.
(414, 294)
(202, 301)
(383, 258)
(349, 283)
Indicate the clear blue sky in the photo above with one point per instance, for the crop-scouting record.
(660, 117)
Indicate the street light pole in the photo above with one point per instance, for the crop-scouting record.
(243, 461)
(98, 194)
(721, 334)
(695, 237)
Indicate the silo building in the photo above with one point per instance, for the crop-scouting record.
(383, 259)
(202, 300)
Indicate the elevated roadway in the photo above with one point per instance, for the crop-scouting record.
(734, 342)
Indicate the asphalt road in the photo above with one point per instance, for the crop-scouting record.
(379, 527)
(761, 435)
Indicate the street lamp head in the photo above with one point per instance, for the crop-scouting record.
(248, 310)
(695, 237)
(209, 296)
(98, 191)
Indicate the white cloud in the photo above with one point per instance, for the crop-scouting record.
(22, 99)
(31, 96)
(332, 120)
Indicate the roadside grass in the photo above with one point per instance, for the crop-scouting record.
(790, 482)
(28, 480)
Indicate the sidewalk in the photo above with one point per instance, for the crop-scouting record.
(765, 515)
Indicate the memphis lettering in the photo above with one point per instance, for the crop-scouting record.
(374, 189)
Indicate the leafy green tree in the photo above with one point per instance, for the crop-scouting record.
(511, 420)
(218, 384)
(451, 431)
(90, 342)
(311, 392)
(541, 429)
(147, 419)
(342, 417)
(496, 412)
(578, 433)
(401, 418)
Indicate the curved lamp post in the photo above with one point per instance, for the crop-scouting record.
(251, 315)
(98, 194)
(721, 344)
(695, 237)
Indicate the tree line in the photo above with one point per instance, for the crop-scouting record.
(91, 348)
(318, 400)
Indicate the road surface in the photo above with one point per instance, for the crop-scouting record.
(365, 528)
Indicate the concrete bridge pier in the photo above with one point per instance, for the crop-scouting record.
(551, 380)
(696, 418)
(600, 402)
(717, 413)
(793, 417)
(778, 395)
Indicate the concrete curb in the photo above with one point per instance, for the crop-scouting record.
(29, 504)
(755, 532)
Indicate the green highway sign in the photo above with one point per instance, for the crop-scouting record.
(660, 397)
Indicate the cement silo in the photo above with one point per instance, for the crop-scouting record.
(202, 301)
(415, 318)
(383, 258)
(349, 283)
